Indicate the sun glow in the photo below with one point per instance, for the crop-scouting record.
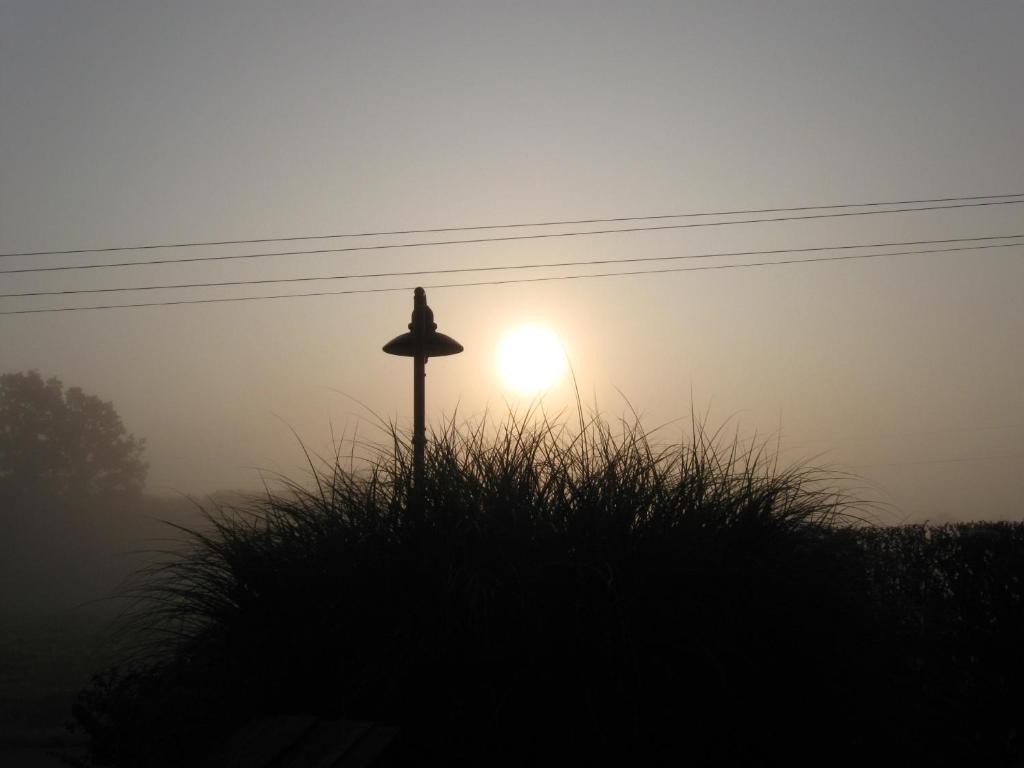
(530, 359)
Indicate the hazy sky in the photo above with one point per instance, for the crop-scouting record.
(153, 122)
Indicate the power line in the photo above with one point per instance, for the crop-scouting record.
(452, 285)
(390, 246)
(546, 265)
(435, 230)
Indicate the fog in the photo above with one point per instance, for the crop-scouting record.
(348, 150)
(150, 124)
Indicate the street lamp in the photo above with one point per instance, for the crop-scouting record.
(422, 341)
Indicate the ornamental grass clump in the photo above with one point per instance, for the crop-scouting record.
(564, 594)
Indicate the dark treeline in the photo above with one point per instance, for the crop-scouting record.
(71, 479)
(951, 603)
(567, 600)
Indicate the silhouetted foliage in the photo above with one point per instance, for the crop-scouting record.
(569, 599)
(64, 443)
(953, 596)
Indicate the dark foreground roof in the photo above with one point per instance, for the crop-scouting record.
(303, 741)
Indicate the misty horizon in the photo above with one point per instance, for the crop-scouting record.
(795, 227)
(144, 126)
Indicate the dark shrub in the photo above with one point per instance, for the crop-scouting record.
(567, 598)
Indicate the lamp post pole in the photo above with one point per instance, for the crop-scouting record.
(419, 382)
(422, 342)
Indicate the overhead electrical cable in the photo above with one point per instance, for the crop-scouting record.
(509, 281)
(544, 265)
(505, 238)
(480, 227)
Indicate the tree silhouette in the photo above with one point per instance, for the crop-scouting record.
(63, 443)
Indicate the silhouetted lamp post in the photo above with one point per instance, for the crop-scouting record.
(422, 341)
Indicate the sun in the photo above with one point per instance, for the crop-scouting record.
(530, 359)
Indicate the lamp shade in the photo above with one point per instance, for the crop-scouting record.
(422, 331)
(434, 345)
